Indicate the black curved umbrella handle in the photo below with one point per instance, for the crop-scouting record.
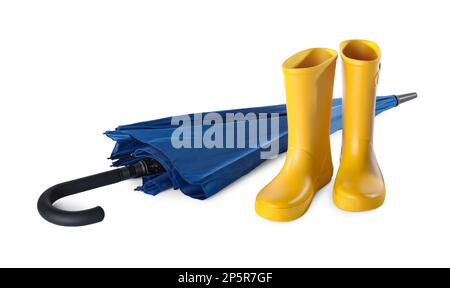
(93, 215)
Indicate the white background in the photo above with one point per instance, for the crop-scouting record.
(69, 70)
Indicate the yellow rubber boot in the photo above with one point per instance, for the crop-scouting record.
(309, 77)
(359, 184)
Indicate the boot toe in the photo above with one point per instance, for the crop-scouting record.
(359, 192)
(281, 202)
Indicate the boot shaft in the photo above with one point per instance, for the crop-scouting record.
(361, 66)
(309, 78)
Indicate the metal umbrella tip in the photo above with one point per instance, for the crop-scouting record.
(405, 97)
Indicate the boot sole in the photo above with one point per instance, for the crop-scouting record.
(357, 204)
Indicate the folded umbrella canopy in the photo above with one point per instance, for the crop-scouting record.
(147, 150)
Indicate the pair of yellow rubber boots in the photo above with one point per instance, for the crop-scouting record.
(309, 77)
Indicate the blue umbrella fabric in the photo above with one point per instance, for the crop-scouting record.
(202, 172)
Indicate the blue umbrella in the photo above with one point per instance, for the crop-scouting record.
(146, 150)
